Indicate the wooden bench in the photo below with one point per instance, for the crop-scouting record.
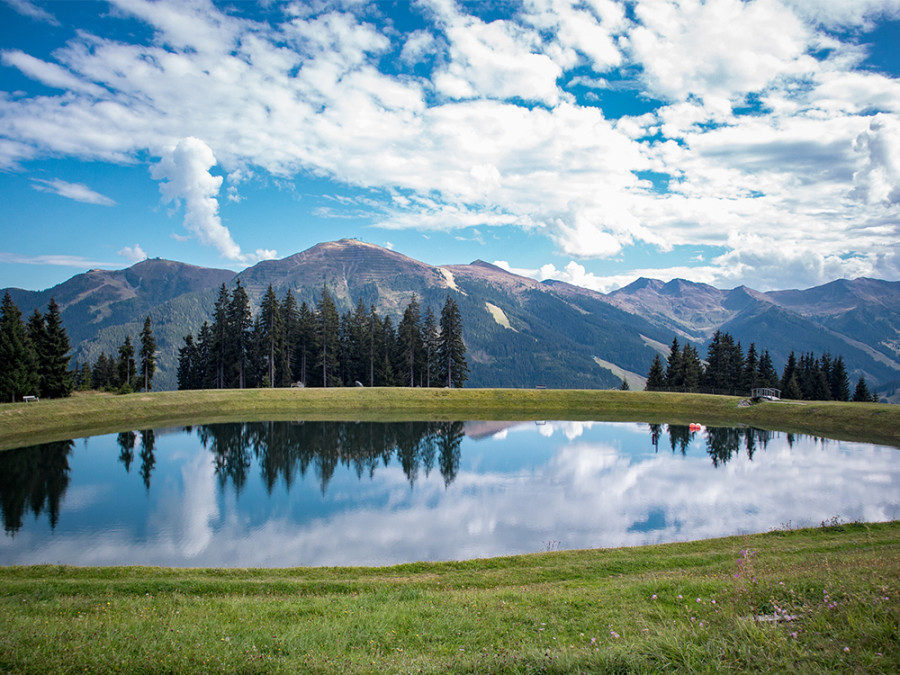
(30, 399)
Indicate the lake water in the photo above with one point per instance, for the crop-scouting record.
(281, 494)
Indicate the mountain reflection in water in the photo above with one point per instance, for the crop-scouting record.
(281, 493)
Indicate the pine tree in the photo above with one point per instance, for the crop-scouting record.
(328, 338)
(624, 386)
(290, 315)
(675, 368)
(767, 376)
(237, 338)
(272, 336)
(125, 366)
(219, 335)
(409, 335)
(18, 361)
(430, 341)
(839, 383)
(656, 377)
(189, 364)
(861, 393)
(56, 379)
(148, 354)
(305, 346)
(692, 368)
(790, 373)
(103, 373)
(750, 378)
(85, 379)
(451, 348)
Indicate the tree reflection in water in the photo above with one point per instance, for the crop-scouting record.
(722, 443)
(34, 479)
(285, 450)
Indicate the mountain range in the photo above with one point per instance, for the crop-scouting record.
(519, 332)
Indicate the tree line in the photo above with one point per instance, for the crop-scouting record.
(121, 372)
(729, 371)
(285, 344)
(34, 356)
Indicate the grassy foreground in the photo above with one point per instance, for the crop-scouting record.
(94, 413)
(813, 600)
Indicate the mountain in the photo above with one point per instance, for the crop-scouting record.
(519, 332)
(99, 308)
(858, 319)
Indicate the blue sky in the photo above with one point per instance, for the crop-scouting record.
(728, 142)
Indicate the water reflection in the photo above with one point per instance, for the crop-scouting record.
(281, 494)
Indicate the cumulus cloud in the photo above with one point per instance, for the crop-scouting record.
(878, 182)
(490, 137)
(186, 179)
(76, 191)
(133, 254)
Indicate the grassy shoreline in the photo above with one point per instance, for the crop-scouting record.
(95, 413)
(813, 600)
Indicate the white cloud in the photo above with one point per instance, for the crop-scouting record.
(878, 182)
(309, 96)
(60, 260)
(76, 191)
(185, 177)
(29, 9)
(133, 254)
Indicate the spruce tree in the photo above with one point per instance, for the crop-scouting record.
(85, 380)
(18, 361)
(692, 368)
(290, 315)
(328, 325)
(148, 354)
(272, 336)
(125, 366)
(656, 377)
(839, 383)
(430, 341)
(675, 368)
(188, 364)
(861, 393)
(219, 335)
(409, 335)
(56, 379)
(451, 348)
(790, 373)
(237, 338)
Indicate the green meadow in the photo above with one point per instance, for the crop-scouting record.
(96, 413)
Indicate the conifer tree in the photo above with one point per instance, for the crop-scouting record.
(237, 338)
(188, 364)
(790, 373)
(675, 368)
(451, 347)
(219, 337)
(838, 382)
(148, 354)
(56, 379)
(125, 366)
(656, 377)
(103, 375)
(305, 346)
(750, 378)
(271, 325)
(328, 338)
(290, 314)
(691, 367)
(767, 375)
(430, 342)
(409, 336)
(18, 361)
(85, 379)
(861, 393)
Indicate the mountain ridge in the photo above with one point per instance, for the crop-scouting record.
(520, 331)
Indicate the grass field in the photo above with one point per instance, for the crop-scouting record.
(809, 601)
(95, 413)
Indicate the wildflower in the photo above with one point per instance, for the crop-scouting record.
(794, 635)
(679, 596)
(653, 597)
(698, 600)
(593, 640)
(846, 649)
(614, 634)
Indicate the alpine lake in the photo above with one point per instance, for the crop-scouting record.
(285, 494)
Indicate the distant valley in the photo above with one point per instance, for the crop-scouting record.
(519, 332)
